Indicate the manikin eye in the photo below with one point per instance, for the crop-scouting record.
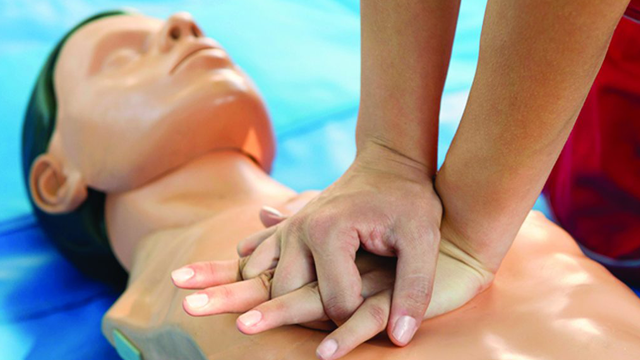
(120, 58)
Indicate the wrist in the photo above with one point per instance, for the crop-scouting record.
(378, 155)
(467, 223)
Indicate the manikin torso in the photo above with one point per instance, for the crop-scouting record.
(548, 300)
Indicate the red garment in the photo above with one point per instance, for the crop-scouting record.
(633, 11)
(594, 188)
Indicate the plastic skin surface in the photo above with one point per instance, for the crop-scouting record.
(148, 96)
(181, 189)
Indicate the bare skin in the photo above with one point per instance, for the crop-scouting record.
(406, 48)
(537, 62)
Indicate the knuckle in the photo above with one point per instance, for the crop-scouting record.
(417, 238)
(209, 268)
(224, 293)
(281, 308)
(294, 224)
(321, 223)
(431, 232)
(418, 297)
(379, 315)
(277, 309)
(338, 309)
(428, 236)
(326, 228)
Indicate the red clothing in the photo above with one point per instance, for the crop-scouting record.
(594, 188)
(633, 11)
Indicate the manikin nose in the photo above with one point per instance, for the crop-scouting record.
(178, 28)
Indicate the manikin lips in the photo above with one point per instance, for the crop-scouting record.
(196, 50)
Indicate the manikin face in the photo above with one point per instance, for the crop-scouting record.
(138, 97)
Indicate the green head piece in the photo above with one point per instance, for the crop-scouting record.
(80, 235)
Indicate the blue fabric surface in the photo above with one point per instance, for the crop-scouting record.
(304, 57)
(48, 309)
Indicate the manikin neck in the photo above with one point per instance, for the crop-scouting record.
(196, 191)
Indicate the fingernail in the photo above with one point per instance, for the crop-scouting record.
(182, 274)
(404, 329)
(197, 300)
(326, 349)
(271, 211)
(250, 318)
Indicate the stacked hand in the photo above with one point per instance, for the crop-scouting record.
(311, 267)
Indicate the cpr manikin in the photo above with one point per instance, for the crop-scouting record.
(160, 119)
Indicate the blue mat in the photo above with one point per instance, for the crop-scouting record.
(304, 57)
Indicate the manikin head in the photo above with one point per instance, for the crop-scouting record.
(129, 99)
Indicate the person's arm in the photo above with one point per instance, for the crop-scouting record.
(538, 59)
(406, 48)
(385, 203)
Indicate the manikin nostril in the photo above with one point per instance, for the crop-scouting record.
(195, 32)
(175, 33)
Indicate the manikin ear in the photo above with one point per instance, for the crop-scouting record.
(55, 190)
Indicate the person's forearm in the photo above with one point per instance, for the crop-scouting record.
(538, 59)
(406, 47)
